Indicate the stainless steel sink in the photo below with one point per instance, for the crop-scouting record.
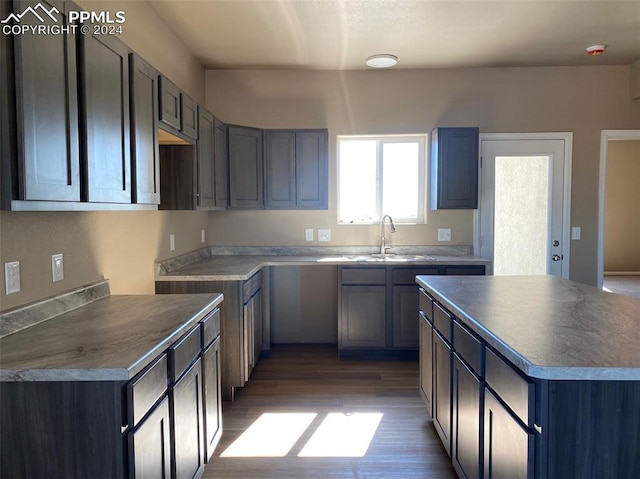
(389, 257)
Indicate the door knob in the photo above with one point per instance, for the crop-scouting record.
(556, 257)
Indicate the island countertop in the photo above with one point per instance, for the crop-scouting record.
(548, 327)
(109, 339)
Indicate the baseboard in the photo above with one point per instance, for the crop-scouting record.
(622, 273)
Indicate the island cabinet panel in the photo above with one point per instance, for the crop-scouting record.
(145, 173)
(105, 119)
(442, 392)
(508, 445)
(150, 445)
(47, 110)
(466, 423)
(426, 362)
(62, 430)
(246, 177)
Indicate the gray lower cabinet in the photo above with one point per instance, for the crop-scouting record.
(426, 362)
(150, 445)
(442, 389)
(363, 317)
(212, 396)
(252, 320)
(467, 406)
(105, 119)
(47, 110)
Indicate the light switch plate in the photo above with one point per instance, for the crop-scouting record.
(444, 234)
(308, 234)
(57, 267)
(202, 236)
(576, 231)
(12, 277)
(324, 235)
(172, 242)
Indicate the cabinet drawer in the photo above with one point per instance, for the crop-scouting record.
(442, 320)
(514, 389)
(408, 275)
(183, 352)
(468, 347)
(145, 389)
(251, 286)
(210, 327)
(426, 305)
(364, 276)
(464, 270)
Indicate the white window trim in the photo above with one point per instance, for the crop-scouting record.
(422, 139)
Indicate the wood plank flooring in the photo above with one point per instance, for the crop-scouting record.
(311, 379)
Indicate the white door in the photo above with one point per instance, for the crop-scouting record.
(523, 216)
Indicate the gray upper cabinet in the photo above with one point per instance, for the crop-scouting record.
(246, 178)
(454, 168)
(145, 173)
(177, 110)
(206, 181)
(105, 119)
(47, 112)
(220, 165)
(296, 169)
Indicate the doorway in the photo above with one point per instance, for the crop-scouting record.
(618, 219)
(522, 223)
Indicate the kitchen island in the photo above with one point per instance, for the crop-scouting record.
(532, 376)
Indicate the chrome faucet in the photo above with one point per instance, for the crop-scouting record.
(383, 245)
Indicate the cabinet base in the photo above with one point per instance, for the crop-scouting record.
(379, 354)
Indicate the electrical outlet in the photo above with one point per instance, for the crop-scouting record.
(324, 235)
(172, 242)
(308, 234)
(12, 277)
(202, 236)
(57, 267)
(444, 234)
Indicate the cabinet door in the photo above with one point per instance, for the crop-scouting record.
(405, 320)
(426, 363)
(169, 103)
(47, 110)
(247, 332)
(149, 445)
(442, 390)
(508, 447)
(105, 84)
(145, 173)
(189, 113)
(257, 327)
(311, 169)
(246, 179)
(206, 184)
(454, 168)
(220, 166)
(212, 397)
(466, 442)
(188, 453)
(363, 312)
(280, 160)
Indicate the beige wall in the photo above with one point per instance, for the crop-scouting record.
(622, 207)
(121, 246)
(582, 100)
(634, 82)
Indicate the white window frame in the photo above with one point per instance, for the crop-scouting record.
(422, 140)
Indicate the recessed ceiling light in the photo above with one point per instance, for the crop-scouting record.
(596, 49)
(383, 60)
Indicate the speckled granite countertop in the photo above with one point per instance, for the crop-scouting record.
(112, 338)
(550, 328)
(201, 265)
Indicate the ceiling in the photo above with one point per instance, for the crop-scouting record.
(340, 34)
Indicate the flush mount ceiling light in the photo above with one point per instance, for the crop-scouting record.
(382, 60)
(594, 50)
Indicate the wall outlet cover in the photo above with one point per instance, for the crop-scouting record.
(12, 277)
(57, 267)
(444, 234)
(308, 234)
(324, 235)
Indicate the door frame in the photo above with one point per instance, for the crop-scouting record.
(567, 137)
(605, 136)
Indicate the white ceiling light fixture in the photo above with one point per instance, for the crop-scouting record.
(382, 60)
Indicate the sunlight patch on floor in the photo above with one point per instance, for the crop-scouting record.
(343, 435)
(275, 434)
(271, 435)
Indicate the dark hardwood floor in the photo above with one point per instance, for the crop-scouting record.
(311, 379)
